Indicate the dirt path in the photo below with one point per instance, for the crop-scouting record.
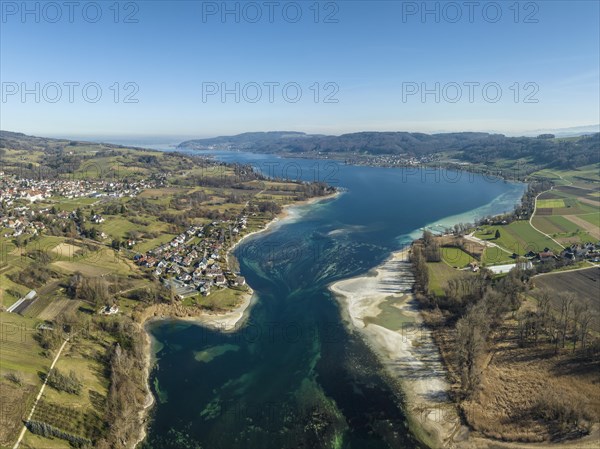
(38, 397)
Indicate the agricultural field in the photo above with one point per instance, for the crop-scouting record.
(569, 214)
(585, 177)
(517, 237)
(583, 284)
(554, 224)
(593, 218)
(551, 203)
(565, 229)
(96, 263)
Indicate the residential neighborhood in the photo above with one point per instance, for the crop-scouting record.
(19, 216)
(196, 260)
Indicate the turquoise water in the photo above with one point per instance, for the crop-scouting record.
(293, 376)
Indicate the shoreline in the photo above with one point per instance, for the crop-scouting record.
(279, 219)
(411, 358)
(227, 321)
(408, 352)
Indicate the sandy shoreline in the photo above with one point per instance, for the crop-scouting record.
(224, 321)
(408, 352)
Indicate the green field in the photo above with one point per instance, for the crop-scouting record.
(147, 245)
(582, 176)
(554, 224)
(592, 218)
(439, 275)
(495, 256)
(574, 207)
(550, 204)
(455, 257)
(219, 298)
(116, 227)
(19, 351)
(518, 237)
(567, 211)
(95, 263)
(70, 204)
(562, 230)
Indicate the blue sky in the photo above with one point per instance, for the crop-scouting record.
(374, 58)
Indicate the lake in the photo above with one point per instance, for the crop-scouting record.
(294, 376)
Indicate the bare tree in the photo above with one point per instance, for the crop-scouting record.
(544, 307)
(566, 303)
(583, 317)
(472, 331)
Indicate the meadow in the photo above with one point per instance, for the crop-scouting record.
(517, 237)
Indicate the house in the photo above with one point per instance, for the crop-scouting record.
(220, 280)
(185, 277)
(33, 195)
(213, 271)
(238, 280)
(545, 256)
(109, 310)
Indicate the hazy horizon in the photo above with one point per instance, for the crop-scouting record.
(213, 68)
(171, 140)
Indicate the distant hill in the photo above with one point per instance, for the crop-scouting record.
(544, 150)
(19, 141)
(245, 140)
(567, 132)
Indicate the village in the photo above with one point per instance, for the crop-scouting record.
(196, 260)
(18, 195)
(192, 263)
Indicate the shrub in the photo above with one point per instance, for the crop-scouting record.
(15, 377)
(566, 413)
(46, 430)
(68, 383)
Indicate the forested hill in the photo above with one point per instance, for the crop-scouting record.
(544, 150)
